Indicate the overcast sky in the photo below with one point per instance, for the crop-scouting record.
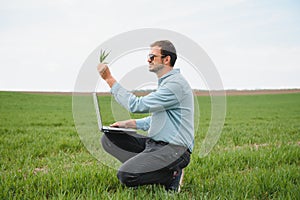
(254, 44)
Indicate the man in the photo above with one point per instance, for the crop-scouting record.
(159, 157)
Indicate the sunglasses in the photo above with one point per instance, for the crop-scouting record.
(152, 56)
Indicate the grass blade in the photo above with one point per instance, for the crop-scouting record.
(103, 55)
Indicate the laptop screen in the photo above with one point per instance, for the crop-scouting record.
(95, 99)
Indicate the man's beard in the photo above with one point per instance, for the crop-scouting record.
(156, 68)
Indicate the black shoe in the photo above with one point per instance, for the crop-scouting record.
(177, 181)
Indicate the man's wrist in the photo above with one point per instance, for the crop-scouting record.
(130, 123)
(110, 81)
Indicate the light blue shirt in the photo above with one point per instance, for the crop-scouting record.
(172, 108)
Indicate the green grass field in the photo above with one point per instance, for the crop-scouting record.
(257, 156)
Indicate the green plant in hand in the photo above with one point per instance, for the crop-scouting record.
(103, 56)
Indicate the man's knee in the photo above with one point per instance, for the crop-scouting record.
(129, 179)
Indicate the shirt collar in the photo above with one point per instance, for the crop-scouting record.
(170, 73)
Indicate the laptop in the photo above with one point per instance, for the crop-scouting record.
(108, 129)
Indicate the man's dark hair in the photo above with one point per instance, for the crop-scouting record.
(167, 49)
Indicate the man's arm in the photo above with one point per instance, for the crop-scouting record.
(131, 123)
(164, 98)
(142, 124)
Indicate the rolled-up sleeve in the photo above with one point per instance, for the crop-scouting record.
(144, 123)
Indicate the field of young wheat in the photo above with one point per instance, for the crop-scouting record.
(257, 156)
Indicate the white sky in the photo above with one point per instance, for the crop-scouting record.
(254, 44)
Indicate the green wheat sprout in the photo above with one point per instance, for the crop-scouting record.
(103, 55)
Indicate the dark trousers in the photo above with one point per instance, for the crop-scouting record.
(145, 161)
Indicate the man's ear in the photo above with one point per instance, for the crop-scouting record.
(167, 60)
